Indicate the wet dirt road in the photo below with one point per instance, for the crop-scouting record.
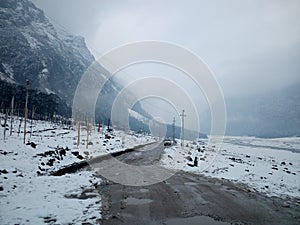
(189, 199)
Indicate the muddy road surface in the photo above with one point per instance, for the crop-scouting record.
(187, 198)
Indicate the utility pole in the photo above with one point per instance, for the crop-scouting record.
(108, 128)
(26, 109)
(173, 129)
(5, 121)
(87, 133)
(182, 127)
(78, 135)
(31, 122)
(12, 115)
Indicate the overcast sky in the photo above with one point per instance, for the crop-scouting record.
(252, 44)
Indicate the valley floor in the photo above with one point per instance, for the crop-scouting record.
(250, 181)
(28, 192)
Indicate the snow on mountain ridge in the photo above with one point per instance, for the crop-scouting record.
(45, 53)
(31, 44)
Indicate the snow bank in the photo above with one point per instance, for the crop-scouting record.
(30, 196)
(271, 166)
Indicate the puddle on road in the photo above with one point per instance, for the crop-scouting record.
(197, 220)
(190, 183)
(143, 190)
(136, 201)
(137, 153)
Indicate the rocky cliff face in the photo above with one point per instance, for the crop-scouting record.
(32, 48)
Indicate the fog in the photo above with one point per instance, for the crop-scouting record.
(252, 47)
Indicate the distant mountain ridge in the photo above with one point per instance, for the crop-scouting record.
(268, 115)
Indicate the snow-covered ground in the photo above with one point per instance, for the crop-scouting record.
(29, 195)
(271, 166)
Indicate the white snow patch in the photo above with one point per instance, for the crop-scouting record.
(33, 43)
(45, 70)
(19, 6)
(271, 166)
(9, 71)
(48, 91)
(30, 196)
(138, 116)
(6, 78)
(43, 75)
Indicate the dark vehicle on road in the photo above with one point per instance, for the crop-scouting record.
(167, 142)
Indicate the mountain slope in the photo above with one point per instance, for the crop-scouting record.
(31, 48)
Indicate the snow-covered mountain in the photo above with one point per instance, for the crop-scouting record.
(53, 60)
(32, 48)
